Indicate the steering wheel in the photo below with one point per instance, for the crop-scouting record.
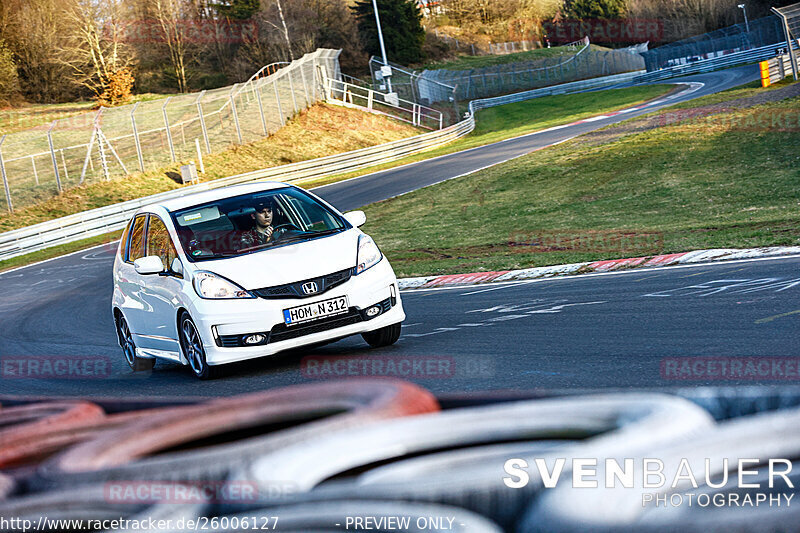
(282, 229)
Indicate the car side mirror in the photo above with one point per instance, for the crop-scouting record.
(148, 265)
(176, 267)
(356, 218)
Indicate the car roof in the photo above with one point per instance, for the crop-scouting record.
(175, 204)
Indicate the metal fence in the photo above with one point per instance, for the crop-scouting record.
(500, 79)
(432, 86)
(366, 98)
(566, 88)
(790, 23)
(708, 65)
(396, 79)
(737, 38)
(39, 163)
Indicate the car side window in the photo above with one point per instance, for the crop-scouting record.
(159, 242)
(123, 241)
(136, 239)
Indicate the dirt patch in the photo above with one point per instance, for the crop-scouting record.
(667, 117)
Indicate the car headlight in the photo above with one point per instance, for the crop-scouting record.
(368, 254)
(214, 287)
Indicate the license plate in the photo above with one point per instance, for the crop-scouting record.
(315, 310)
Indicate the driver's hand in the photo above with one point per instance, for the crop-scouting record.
(269, 231)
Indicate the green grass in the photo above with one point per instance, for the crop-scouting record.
(467, 62)
(743, 91)
(698, 185)
(512, 120)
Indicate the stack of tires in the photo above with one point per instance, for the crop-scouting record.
(317, 455)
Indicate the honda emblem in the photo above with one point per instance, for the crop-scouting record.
(310, 287)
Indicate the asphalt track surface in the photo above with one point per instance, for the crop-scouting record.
(594, 331)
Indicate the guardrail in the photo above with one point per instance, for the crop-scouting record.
(112, 218)
(564, 88)
(731, 60)
(775, 69)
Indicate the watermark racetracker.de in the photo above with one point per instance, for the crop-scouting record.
(189, 31)
(55, 367)
(623, 30)
(396, 366)
(709, 368)
(636, 242)
(194, 492)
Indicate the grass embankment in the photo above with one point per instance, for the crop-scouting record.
(14, 119)
(467, 62)
(719, 181)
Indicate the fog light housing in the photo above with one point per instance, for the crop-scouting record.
(374, 311)
(254, 339)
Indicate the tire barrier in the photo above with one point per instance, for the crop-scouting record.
(762, 436)
(31, 419)
(638, 420)
(90, 503)
(6, 486)
(27, 427)
(297, 414)
(317, 455)
(22, 446)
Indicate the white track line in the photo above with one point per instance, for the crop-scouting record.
(646, 270)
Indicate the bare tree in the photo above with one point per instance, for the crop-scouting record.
(95, 51)
(174, 20)
(32, 29)
(285, 30)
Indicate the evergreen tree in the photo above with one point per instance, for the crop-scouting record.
(594, 9)
(401, 22)
(237, 9)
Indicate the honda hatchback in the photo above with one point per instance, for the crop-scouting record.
(248, 271)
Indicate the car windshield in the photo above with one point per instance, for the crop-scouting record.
(253, 222)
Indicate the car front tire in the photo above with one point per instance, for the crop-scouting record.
(137, 364)
(193, 351)
(385, 336)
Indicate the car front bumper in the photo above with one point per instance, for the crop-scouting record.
(217, 319)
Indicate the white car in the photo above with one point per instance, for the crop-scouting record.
(244, 272)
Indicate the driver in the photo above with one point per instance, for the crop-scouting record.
(263, 230)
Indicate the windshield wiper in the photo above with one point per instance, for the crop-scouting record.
(323, 232)
(307, 236)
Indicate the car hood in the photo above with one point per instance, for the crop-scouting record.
(290, 263)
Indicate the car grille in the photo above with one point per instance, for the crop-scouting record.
(295, 290)
(282, 332)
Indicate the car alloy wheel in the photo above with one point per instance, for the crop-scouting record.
(193, 350)
(136, 363)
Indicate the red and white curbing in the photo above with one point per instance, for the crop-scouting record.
(697, 256)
